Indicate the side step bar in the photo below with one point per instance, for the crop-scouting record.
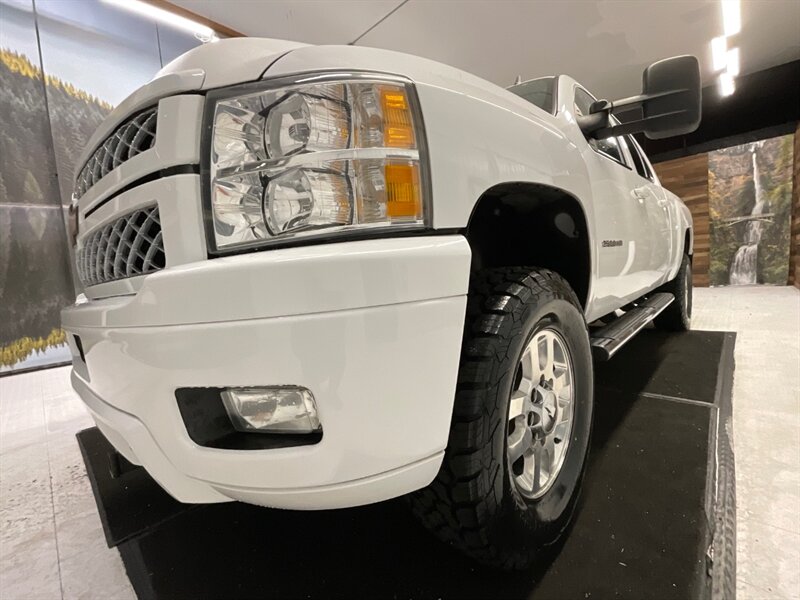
(608, 340)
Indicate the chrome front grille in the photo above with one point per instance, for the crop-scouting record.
(128, 246)
(133, 137)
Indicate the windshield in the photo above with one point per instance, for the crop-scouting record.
(537, 91)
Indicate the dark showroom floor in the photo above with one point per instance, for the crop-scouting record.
(53, 545)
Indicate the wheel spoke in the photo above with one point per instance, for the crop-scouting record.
(551, 356)
(530, 367)
(565, 406)
(518, 443)
(526, 386)
(550, 452)
(524, 478)
(537, 468)
(541, 352)
(519, 405)
(561, 433)
(561, 379)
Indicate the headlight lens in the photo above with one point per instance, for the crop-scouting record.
(314, 159)
(305, 197)
(305, 122)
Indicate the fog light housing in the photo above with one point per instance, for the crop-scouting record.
(278, 409)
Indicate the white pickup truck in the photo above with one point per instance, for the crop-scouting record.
(319, 277)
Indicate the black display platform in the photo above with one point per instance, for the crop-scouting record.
(657, 506)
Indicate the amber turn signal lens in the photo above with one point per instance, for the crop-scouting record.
(403, 197)
(398, 129)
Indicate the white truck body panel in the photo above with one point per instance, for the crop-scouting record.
(372, 327)
(382, 369)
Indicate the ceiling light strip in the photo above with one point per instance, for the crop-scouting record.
(723, 59)
(731, 17)
(719, 52)
(164, 16)
(726, 84)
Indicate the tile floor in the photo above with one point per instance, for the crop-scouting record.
(766, 431)
(51, 541)
(52, 544)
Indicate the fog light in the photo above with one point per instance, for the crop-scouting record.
(284, 409)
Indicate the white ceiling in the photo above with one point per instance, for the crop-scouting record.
(605, 44)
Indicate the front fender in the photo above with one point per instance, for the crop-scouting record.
(687, 224)
(478, 134)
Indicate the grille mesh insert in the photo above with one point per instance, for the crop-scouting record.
(133, 137)
(129, 246)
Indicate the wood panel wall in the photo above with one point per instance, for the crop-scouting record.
(221, 29)
(794, 240)
(688, 178)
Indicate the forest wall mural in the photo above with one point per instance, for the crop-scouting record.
(63, 67)
(750, 204)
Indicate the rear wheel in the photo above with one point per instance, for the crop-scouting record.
(509, 481)
(678, 315)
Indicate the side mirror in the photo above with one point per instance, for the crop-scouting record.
(670, 103)
(674, 97)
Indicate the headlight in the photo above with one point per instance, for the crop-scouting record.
(314, 159)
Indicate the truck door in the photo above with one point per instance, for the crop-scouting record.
(661, 217)
(621, 222)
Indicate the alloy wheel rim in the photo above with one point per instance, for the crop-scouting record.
(540, 413)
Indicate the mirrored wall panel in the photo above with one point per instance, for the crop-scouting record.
(64, 65)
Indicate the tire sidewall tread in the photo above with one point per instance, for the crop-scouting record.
(473, 503)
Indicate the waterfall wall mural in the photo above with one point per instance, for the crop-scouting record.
(750, 198)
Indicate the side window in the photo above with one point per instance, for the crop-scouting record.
(610, 147)
(639, 161)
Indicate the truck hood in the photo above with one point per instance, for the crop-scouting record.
(230, 61)
(226, 62)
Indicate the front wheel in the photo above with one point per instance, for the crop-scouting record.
(522, 418)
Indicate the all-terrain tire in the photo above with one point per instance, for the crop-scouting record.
(474, 503)
(678, 315)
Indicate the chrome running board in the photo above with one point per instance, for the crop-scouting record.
(608, 340)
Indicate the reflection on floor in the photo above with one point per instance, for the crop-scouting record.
(50, 355)
(51, 541)
(52, 545)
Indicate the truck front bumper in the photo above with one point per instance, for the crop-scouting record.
(372, 328)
